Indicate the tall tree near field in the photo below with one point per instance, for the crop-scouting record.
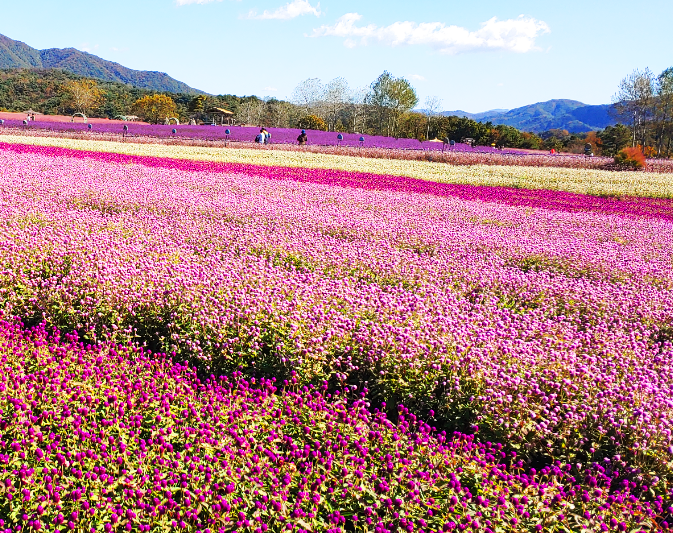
(389, 99)
(336, 95)
(83, 95)
(634, 103)
(357, 109)
(252, 111)
(664, 112)
(155, 108)
(197, 104)
(613, 139)
(308, 95)
(280, 113)
(433, 105)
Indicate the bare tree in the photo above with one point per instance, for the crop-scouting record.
(433, 105)
(357, 108)
(251, 111)
(308, 95)
(280, 113)
(335, 98)
(634, 103)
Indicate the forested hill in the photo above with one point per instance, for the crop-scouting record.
(568, 115)
(15, 54)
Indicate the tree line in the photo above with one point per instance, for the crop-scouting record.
(643, 106)
(53, 92)
(644, 103)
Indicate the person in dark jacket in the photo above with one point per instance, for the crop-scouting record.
(303, 138)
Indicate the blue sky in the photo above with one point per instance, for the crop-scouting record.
(475, 56)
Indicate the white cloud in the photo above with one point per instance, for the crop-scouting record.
(291, 10)
(514, 35)
(417, 77)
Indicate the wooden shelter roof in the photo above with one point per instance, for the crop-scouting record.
(219, 110)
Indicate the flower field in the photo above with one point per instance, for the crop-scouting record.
(431, 151)
(576, 180)
(345, 351)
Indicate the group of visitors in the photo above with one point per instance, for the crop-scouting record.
(30, 117)
(264, 137)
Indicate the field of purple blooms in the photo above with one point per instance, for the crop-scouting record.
(246, 134)
(533, 342)
(114, 438)
(321, 143)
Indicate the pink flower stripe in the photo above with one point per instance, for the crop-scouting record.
(538, 198)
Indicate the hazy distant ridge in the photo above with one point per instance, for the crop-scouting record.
(568, 115)
(15, 54)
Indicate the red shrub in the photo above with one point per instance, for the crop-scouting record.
(632, 157)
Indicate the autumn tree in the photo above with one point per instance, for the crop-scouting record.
(155, 109)
(312, 122)
(83, 95)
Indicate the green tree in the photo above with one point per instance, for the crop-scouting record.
(553, 143)
(613, 139)
(530, 141)
(197, 103)
(389, 99)
(506, 136)
(155, 108)
(413, 126)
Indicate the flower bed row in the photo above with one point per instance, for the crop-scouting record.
(503, 173)
(114, 438)
(548, 199)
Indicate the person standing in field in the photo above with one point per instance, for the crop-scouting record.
(303, 138)
(267, 136)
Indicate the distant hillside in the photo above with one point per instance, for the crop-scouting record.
(568, 115)
(485, 116)
(15, 54)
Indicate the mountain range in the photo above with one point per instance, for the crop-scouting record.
(568, 115)
(15, 54)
